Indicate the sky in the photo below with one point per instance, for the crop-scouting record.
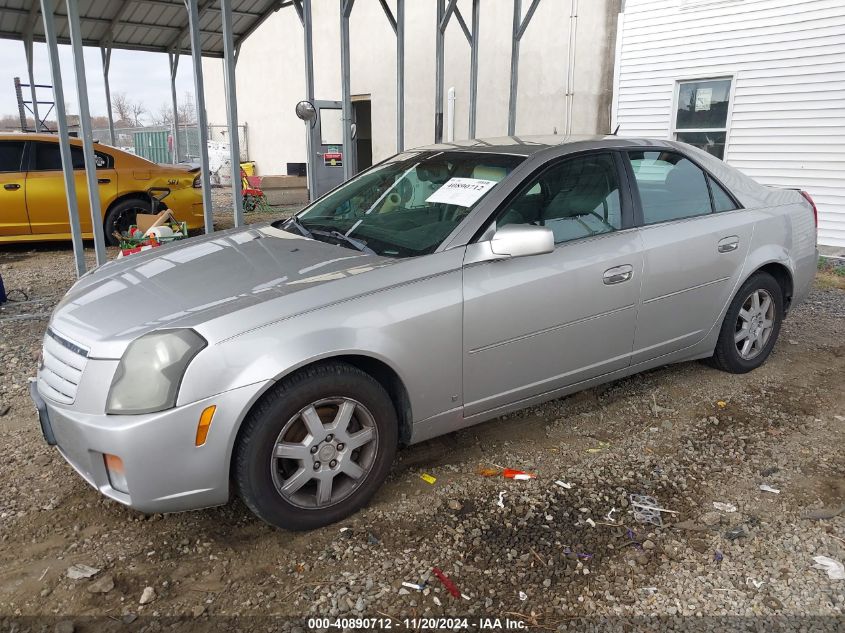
(142, 76)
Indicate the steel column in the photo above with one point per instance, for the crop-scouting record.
(519, 26)
(517, 16)
(400, 75)
(202, 119)
(232, 110)
(307, 28)
(438, 74)
(27, 44)
(64, 144)
(105, 54)
(348, 166)
(173, 63)
(473, 68)
(87, 132)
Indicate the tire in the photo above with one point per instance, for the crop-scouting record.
(730, 354)
(289, 491)
(122, 215)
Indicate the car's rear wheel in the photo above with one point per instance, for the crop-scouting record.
(123, 215)
(751, 326)
(316, 448)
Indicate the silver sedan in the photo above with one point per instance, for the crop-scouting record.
(443, 287)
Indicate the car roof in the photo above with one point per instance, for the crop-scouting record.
(529, 145)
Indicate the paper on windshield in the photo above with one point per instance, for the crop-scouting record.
(463, 192)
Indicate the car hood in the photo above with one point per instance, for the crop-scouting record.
(187, 284)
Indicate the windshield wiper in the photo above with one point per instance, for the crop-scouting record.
(299, 226)
(356, 244)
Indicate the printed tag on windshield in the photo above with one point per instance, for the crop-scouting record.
(463, 192)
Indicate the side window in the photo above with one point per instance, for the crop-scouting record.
(48, 157)
(576, 198)
(11, 153)
(721, 200)
(671, 187)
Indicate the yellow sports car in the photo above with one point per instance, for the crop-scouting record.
(33, 205)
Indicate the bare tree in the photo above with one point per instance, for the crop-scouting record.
(138, 111)
(121, 110)
(127, 113)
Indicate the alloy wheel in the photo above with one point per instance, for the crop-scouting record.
(324, 452)
(754, 324)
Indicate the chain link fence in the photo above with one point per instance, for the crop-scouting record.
(156, 142)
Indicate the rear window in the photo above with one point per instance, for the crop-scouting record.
(11, 153)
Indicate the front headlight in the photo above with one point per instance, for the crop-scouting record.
(148, 376)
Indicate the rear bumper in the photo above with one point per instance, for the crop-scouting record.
(187, 206)
(165, 471)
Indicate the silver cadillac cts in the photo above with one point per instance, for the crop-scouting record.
(443, 287)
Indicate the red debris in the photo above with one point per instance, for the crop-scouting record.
(446, 582)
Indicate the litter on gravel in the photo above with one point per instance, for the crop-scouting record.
(564, 484)
(724, 507)
(835, 570)
(646, 510)
(501, 501)
(519, 475)
(412, 585)
(428, 478)
(768, 488)
(447, 582)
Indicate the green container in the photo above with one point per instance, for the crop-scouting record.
(153, 145)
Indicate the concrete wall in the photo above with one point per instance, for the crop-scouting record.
(270, 73)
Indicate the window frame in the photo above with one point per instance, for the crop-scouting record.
(676, 95)
(639, 216)
(626, 200)
(22, 161)
(29, 157)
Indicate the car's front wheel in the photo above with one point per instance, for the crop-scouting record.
(751, 326)
(316, 448)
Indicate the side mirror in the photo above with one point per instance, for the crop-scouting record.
(522, 240)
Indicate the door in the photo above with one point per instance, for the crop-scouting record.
(695, 239)
(326, 164)
(45, 187)
(13, 217)
(536, 324)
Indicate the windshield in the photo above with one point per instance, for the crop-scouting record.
(407, 205)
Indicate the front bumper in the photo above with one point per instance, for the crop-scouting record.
(165, 470)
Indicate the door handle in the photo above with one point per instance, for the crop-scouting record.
(103, 181)
(12, 186)
(618, 274)
(728, 244)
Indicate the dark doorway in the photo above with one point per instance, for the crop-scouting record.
(362, 115)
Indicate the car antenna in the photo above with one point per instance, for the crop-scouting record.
(616, 130)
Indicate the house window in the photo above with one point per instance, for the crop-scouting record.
(701, 118)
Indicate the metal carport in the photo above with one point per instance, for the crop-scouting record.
(212, 28)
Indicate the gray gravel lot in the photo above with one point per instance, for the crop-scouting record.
(551, 557)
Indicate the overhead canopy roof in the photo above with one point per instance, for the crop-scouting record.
(159, 26)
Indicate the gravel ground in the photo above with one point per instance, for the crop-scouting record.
(553, 558)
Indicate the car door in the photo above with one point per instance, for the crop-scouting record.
(695, 239)
(46, 199)
(13, 217)
(535, 324)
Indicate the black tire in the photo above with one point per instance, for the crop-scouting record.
(122, 215)
(727, 356)
(256, 470)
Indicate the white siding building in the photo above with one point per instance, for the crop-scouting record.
(761, 82)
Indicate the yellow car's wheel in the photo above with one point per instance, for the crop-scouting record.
(122, 215)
